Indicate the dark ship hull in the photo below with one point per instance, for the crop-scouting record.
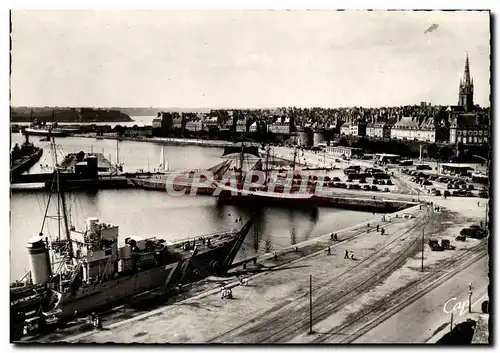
(209, 259)
(43, 132)
(25, 163)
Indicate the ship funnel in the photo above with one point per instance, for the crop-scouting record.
(39, 261)
(92, 223)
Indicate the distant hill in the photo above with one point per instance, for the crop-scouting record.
(107, 114)
(84, 115)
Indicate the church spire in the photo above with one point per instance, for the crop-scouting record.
(466, 88)
(467, 79)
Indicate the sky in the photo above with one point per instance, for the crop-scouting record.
(245, 59)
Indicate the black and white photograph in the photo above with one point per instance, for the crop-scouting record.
(250, 176)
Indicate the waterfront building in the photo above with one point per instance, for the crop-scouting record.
(409, 128)
(344, 151)
(241, 124)
(345, 128)
(382, 130)
(194, 125)
(370, 130)
(282, 126)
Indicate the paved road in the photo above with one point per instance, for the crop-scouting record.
(418, 321)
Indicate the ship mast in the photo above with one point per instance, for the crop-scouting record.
(268, 148)
(294, 156)
(117, 154)
(61, 203)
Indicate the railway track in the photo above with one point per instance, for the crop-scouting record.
(291, 318)
(382, 309)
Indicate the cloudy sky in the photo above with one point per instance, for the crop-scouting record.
(245, 58)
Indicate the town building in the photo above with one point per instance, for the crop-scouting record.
(409, 128)
(241, 124)
(467, 125)
(345, 129)
(382, 130)
(194, 125)
(353, 129)
(282, 126)
(370, 130)
(344, 151)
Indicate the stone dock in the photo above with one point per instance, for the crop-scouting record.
(349, 295)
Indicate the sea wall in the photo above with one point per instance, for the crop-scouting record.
(363, 204)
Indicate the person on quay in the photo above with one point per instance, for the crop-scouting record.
(346, 256)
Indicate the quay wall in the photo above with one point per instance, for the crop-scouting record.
(169, 141)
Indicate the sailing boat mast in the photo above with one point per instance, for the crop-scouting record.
(117, 154)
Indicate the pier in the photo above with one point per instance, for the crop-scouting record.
(353, 297)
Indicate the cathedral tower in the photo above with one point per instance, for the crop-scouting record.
(466, 89)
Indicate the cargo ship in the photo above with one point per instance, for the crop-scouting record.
(181, 181)
(48, 130)
(271, 192)
(23, 158)
(82, 271)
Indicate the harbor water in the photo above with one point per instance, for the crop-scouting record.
(147, 213)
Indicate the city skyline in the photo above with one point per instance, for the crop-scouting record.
(296, 58)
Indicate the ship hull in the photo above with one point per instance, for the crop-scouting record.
(26, 163)
(114, 291)
(36, 132)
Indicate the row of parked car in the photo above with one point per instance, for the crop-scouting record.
(358, 187)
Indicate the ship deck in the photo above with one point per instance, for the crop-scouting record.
(103, 164)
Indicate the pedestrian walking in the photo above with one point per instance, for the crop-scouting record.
(346, 256)
(382, 231)
(478, 204)
(329, 251)
(335, 237)
(351, 255)
(378, 227)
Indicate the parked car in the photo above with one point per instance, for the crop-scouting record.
(483, 194)
(387, 190)
(375, 182)
(426, 182)
(367, 187)
(335, 179)
(472, 232)
(389, 182)
(470, 187)
(446, 193)
(434, 245)
(374, 188)
(437, 193)
(362, 181)
(381, 182)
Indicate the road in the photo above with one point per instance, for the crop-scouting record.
(418, 321)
